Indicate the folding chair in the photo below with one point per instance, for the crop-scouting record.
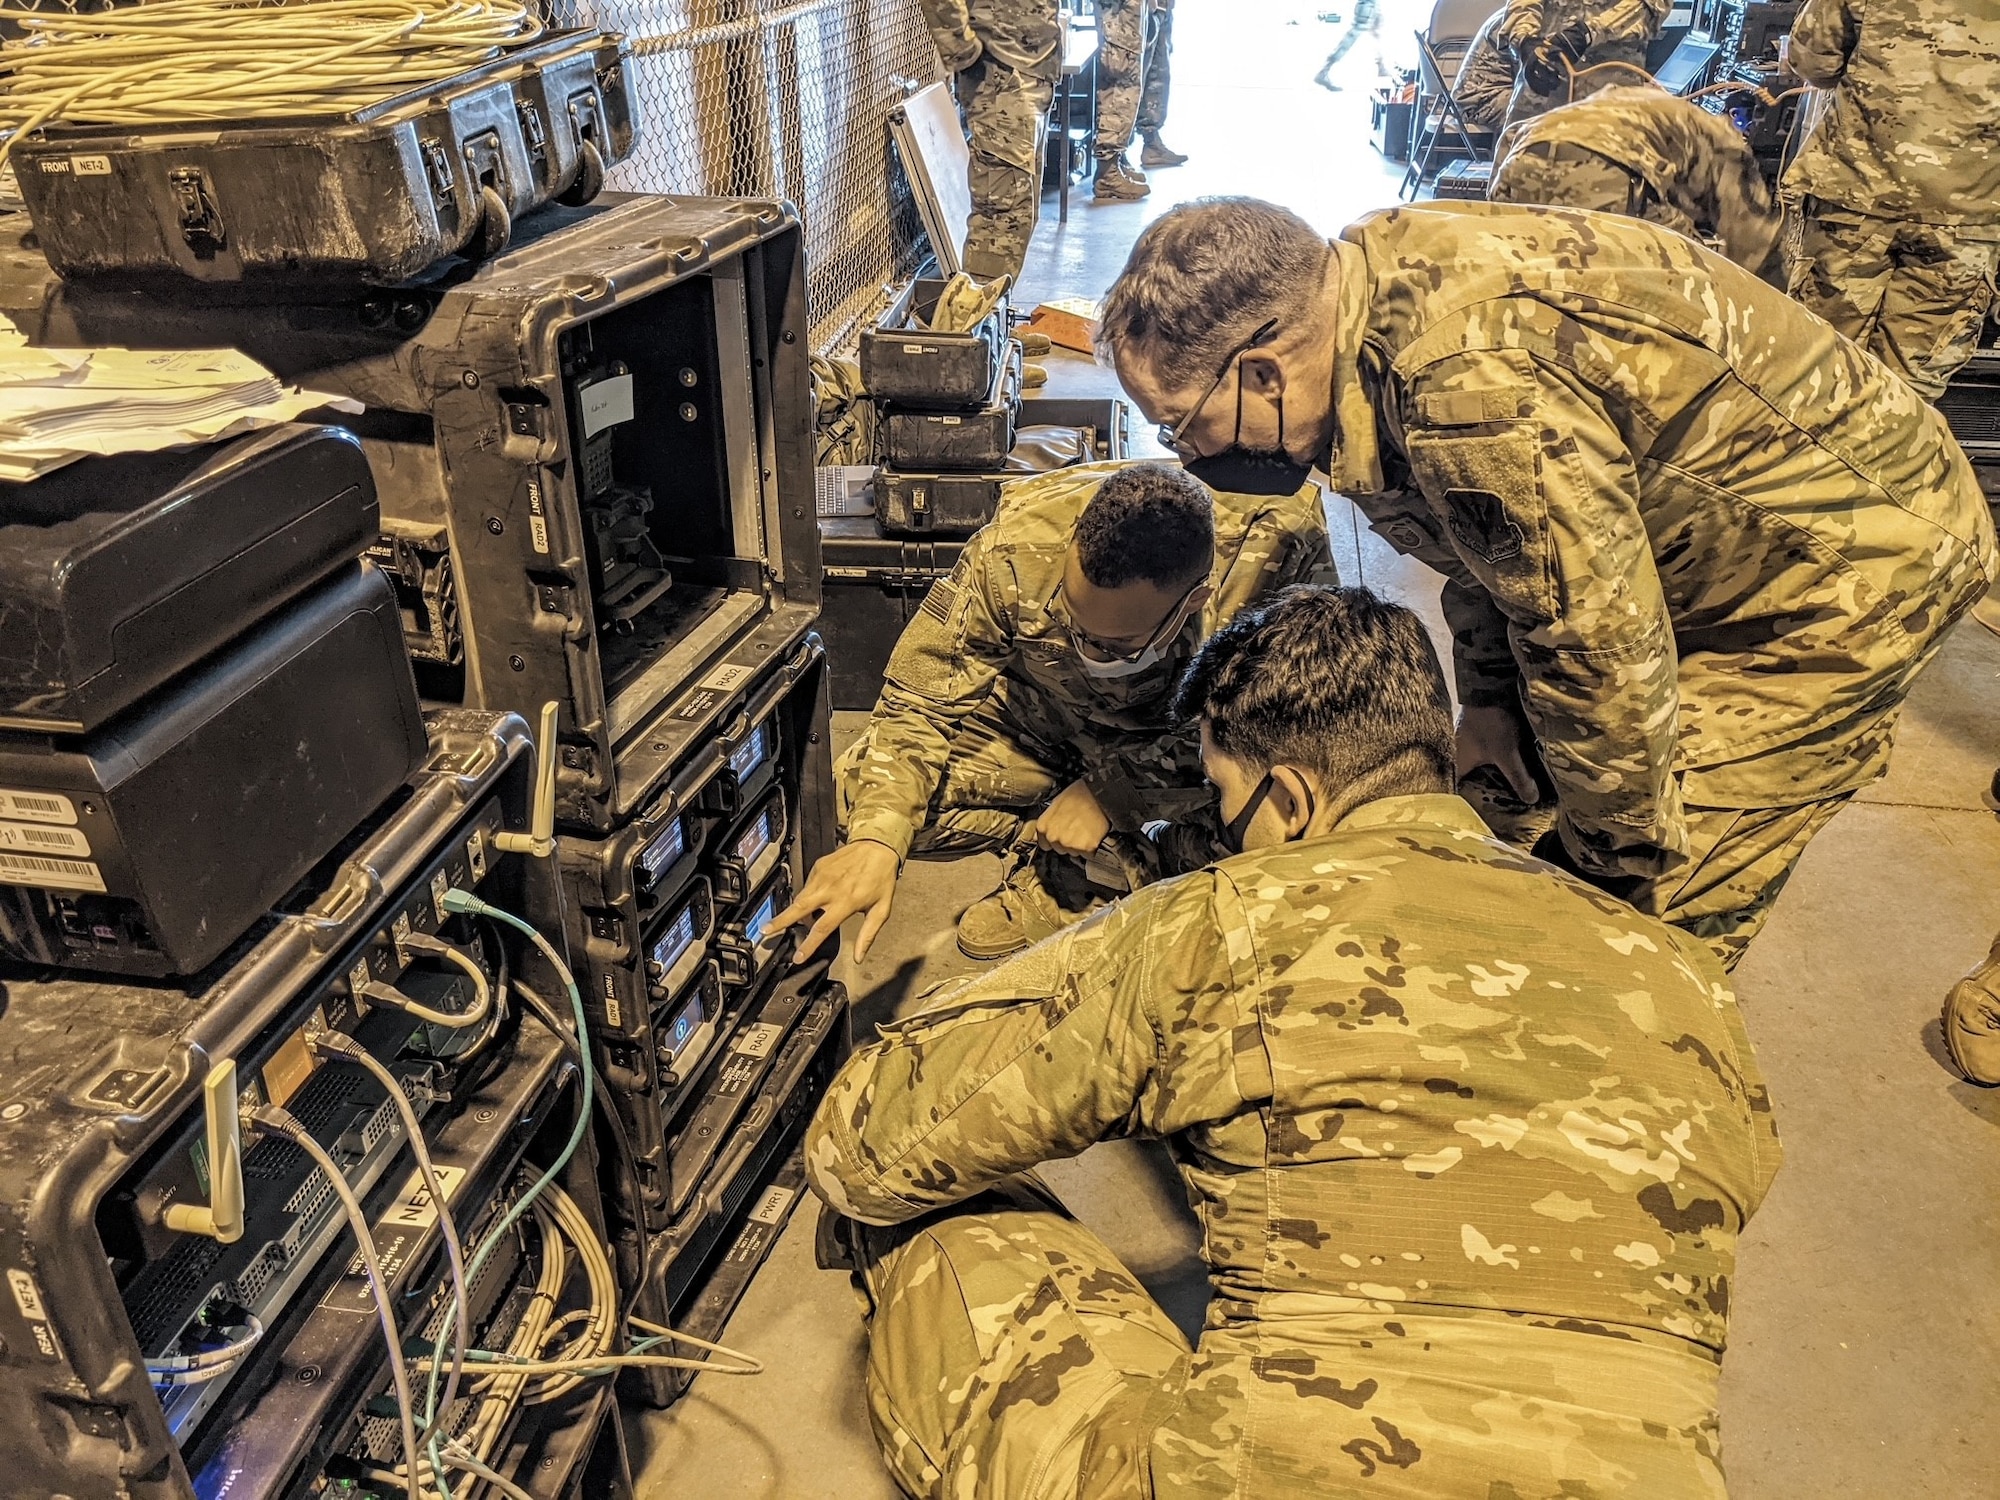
(1441, 111)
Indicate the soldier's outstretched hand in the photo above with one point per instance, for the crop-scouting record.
(857, 877)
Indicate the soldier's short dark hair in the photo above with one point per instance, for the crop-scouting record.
(1147, 522)
(1336, 680)
(1202, 278)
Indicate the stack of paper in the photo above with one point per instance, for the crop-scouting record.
(59, 405)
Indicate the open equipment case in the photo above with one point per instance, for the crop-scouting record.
(593, 454)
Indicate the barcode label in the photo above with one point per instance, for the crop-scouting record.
(38, 838)
(36, 807)
(55, 874)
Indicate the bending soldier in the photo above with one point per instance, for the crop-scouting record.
(1471, 1143)
(1027, 703)
(1697, 546)
(1641, 151)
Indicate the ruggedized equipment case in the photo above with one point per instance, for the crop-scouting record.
(942, 499)
(151, 845)
(608, 428)
(977, 437)
(102, 1095)
(378, 197)
(902, 361)
(117, 573)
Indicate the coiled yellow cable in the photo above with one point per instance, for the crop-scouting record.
(172, 61)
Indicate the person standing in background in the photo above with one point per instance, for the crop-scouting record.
(1121, 69)
(1159, 80)
(1554, 40)
(1368, 20)
(1894, 234)
(1004, 57)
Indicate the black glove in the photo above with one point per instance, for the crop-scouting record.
(1547, 61)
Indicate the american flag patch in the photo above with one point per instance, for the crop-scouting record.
(938, 602)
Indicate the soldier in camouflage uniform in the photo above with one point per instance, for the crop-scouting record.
(1471, 1144)
(1159, 85)
(1896, 193)
(1121, 74)
(1636, 149)
(1697, 545)
(1004, 57)
(994, 726)
(1485, 84)
(1555, 39)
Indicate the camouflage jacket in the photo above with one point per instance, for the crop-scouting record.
(1485, 82)
(1914, 86)
(1692, 160)
(991, 619)
(1710, 540)
(1406, 1070)
(1610, 21)
(1026, 35)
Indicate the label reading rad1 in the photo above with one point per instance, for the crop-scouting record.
(36, 807)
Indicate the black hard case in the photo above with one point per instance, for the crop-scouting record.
(980, 437)
(614, 919)
(109, 1071)
(874, 585)
(119, 573)
(376, 197)
(905, 363)
(926, 503)
(469, 431)
(203, 805)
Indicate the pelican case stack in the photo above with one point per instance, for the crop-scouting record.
(377, 197)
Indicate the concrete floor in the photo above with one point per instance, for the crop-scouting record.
(1866, 1312)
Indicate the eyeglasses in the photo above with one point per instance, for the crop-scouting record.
(1092, 647)
(1171, 436)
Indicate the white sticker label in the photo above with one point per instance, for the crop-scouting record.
(413, 1208)
(27, 1296)
(53, 874)
(91, 166)
(538, 521)
(772, 1206)
(758, 1040)
(725, 677)
(36, 807)
(917, 349)
(614, 1013)
(38, 838)
(606, 404)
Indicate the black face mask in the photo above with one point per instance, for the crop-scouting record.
(1236, 827)
(1238, 470)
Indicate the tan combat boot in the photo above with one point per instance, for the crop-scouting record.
(1972, 1022)
(1118, 183)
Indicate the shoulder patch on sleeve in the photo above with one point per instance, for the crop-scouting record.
(938, 602)
(1469, 408)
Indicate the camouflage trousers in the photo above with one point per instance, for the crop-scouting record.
(1914, 295)
(1159, 69)
(1526, 103)
(1005, 112)
(1569, 176)
(1739, 863)
(1121, 72)
(1002, 773)
(1367, 22)
(1012, 1357)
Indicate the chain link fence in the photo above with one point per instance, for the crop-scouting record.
(782, 99)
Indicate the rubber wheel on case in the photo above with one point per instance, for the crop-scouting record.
(496, 226)
(589, 180)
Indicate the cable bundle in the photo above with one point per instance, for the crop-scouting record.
(173, 61)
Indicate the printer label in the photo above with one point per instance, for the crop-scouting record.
(53, 874)
(39, 838)
(37, 807)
